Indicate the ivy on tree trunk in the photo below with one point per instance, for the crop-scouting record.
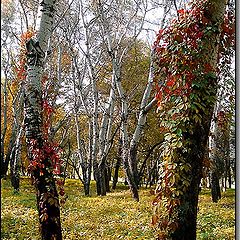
(187, 54)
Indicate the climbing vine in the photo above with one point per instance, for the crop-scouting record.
(181, 76)
(45, 156)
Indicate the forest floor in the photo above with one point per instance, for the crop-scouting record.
(115, 216)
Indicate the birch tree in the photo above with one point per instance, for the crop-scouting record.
(41, 164)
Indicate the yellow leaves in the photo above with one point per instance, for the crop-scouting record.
(66, 61)
(215, 221)
(115, 216)
(7, 7)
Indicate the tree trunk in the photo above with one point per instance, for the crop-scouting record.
(40, 162)
(116, 171)
(97, 177)
(141, 172)
(187, 210)
(15, 162)
(145, 107)
(102, 177)
(229, 178)
(133, 163)
(82, 156)
(5, 161)
(215, 187)
(129, 175)
(108, 178)
(179, 220)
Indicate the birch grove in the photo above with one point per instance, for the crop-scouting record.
(85, 28)
(89, 46)
(135, 92)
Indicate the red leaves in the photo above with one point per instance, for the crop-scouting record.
(181, 11)
(158, 95)
(47, 112)
(61, 192)
(199, 35)
(26, 36)
(178, 38)
(160, 33)
(47, 108)
(228, 31)
(204, 20)
(44, 79)
(159, 36)
(208, 68)
(60, 182)
(41, 157)
(171, 81)
(21, 72)
(159, 50)
(179, 48)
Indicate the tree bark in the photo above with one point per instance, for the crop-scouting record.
(140, 174)
(4, 161)
(215, 187)
(144, 109)
(82, 155)
(117, 166)
(187, 211)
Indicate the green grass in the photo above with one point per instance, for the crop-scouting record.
(115, 216)
(216, 220)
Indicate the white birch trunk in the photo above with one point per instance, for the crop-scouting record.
(144, 108)
(106, 125)
(94, 145)
(46, 192)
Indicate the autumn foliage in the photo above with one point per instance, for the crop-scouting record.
(179, 48)
(181, 76)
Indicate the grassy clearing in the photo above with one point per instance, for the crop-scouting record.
(115, 216)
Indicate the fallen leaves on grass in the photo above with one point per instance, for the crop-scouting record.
(115, 216)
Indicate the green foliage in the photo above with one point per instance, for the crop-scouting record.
(116, 216)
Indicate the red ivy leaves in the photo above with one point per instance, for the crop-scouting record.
(178, 50)
(49, 151)
(208, 68)
(47, 108)
(171, 81)
(42, 155)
